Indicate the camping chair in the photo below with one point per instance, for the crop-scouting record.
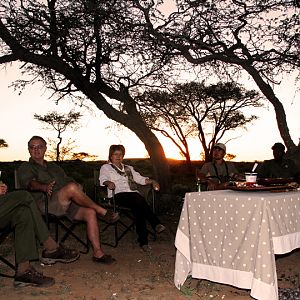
(61, 222)
(3, 236)
(126, 223)
(122, 226)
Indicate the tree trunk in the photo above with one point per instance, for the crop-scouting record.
(293, 150)
(58, 147)
(188, 161)
(278, 107)
(155, 150)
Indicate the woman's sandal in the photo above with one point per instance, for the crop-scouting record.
(105, 259)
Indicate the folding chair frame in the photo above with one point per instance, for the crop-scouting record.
(126, 228)
(61, 221)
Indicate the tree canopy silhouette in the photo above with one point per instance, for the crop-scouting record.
(195, 109)
(85, 50)
(231, 37)
(60, 123)
(108, 51)
(3, 143)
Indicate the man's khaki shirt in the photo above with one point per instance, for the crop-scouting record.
(45, 174)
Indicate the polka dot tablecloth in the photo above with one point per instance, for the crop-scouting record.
(232, 237)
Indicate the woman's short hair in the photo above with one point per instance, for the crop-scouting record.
(114, 148)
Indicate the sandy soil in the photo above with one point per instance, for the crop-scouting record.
(135, 275)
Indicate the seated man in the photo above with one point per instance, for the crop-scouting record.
(279, 167)
(47, 179)
(19, 211)
(218, 174)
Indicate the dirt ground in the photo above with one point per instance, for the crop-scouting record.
(136, 275)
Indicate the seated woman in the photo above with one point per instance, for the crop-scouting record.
(123, 180)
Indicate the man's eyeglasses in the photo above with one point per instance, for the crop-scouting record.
(36, 147)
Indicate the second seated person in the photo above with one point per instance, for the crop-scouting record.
(123, 180)
(66, 197)
(280, 166)
(218, 174)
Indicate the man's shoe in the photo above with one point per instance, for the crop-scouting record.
(61, 254)
(33, 278)
(111, 217)
(160, 228)
(105, 259)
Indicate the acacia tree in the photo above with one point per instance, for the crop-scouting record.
(3, 143)
(60, 123)
(85, 48)
(66, 150)
(160, 112)
(83, 156)
(192, 108)
(260, 38)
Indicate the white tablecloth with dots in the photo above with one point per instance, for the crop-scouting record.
(232, 237)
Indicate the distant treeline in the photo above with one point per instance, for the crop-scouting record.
(182, 178)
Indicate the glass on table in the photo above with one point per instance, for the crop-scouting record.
(250, 178)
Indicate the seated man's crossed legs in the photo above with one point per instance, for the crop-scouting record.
(72, 192)
(78, 206)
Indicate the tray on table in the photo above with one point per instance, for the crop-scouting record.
(282, 188)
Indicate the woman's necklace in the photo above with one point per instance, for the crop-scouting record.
(126, 172)
(120, 171)
(120, 167)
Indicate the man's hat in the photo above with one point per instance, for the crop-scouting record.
(220, 145)
(278, 146)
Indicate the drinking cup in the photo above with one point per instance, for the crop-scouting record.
(250, 178)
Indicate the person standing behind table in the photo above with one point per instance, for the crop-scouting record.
(218, 173)
(19, 211)
(65, 195)
(123, 180)
(279, 167)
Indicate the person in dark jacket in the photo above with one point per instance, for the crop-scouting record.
(279, 166)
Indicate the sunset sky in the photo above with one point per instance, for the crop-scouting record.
(97, 132)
